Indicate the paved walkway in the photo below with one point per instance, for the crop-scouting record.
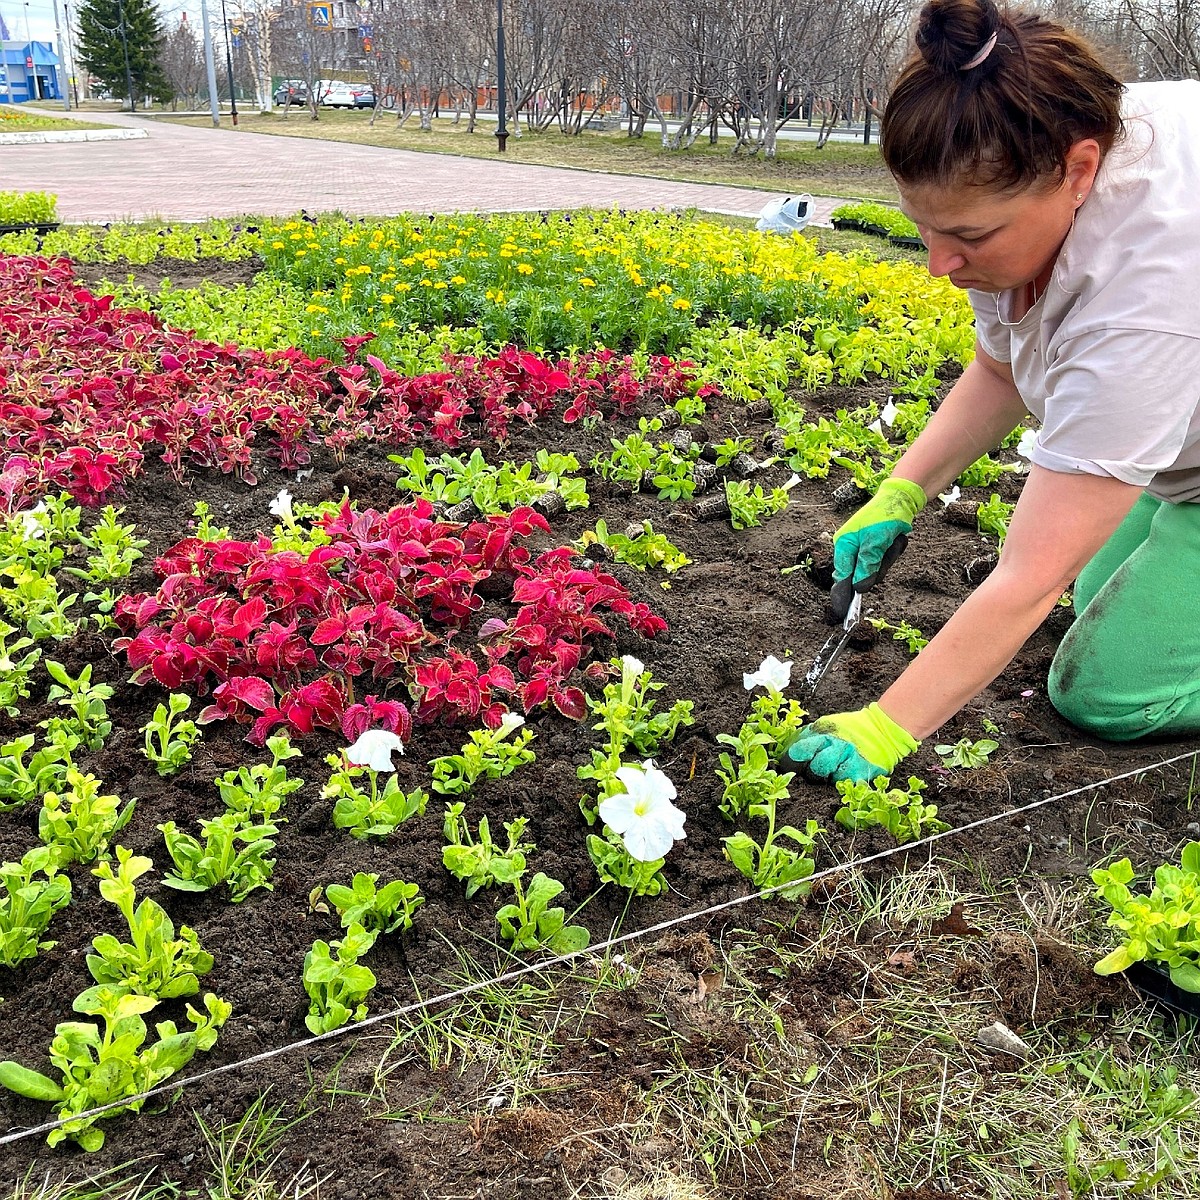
(185, 173)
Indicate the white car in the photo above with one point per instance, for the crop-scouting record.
(339, 95)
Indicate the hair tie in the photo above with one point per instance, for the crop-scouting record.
(984, 51)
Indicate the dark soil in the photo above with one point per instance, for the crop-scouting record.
(726, 612)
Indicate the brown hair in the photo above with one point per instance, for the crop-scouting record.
(1009, 120)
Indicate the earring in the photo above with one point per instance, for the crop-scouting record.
(1078, 197)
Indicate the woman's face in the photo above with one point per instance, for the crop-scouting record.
(994, 241)
(990, 241)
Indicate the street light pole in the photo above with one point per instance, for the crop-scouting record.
(229, 65)
(30, 70)
(501, 127)
(210, 67)
(62, 59)
(125, 50)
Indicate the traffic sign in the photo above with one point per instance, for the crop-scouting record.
(320, 16)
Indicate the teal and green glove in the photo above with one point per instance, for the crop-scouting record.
(858, 745)
(873, 539)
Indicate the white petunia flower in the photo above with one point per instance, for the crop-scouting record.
(876, 427)
(634, 666)
(950, 497)
(888, 413)
(508, 723)
(1027, 443)
(649, 824)
(31, 527)
(281, 506)
(374, 749)
(771, 674)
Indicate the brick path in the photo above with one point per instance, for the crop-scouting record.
(187, 173)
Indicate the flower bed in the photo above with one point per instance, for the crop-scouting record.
(301, 575)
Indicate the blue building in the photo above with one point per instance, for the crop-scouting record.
(29, 71)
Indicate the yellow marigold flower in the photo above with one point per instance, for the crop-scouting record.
(427, 283)
(586, 282)
(666, 288)
(524, 269)
(301, 253)
(505, 252)
(458, 281)
(404, 287)
(440, 286)
(297, 237)
(387, 298)
(340, 261)
(570, 304)
(682, 304)
(277, 245)
(388, 324)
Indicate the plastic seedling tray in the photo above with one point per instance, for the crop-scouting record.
(39, 227)
(905, 239)
(1154, 982)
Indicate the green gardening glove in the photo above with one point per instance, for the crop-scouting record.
(873, 539)
(858, 745)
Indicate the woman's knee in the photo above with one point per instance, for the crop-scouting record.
(1088, 699)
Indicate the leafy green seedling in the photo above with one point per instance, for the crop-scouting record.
(614, 864)
(914, 640)
(753, 781)
(231, 852)
(116, 548)
(257, 793)
(337, 985)
(169, 741)
(33, 891)
(531, 924)
(155, 962)
(773, 863)
(17, 660)
(478, 860)
(966, 753)
(750, 506)
(378, 910)
(488, 754)
(46, 770)
(79, 822)
(993, 517)
(89, 716)
(100, 1067)
(373, 814)
(901, 812)
(647, 549)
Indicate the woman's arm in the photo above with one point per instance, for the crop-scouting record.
(1060, 522)
(978, 413)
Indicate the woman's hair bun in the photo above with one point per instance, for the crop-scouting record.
(950, 33)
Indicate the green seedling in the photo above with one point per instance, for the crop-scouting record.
(369, 814)
(34, 601)
(488, 754)
(46, 771)
(531, 924)
(914, 640)
(79, 822)
(673, 477)
(902, 813)
(169, 741)
(772, 863)
(1162, 927)
(753, 781)
(647, 549)
(336, 984)
(89, 716)
(231, 852)
(377, 910)
(614, 864)
(993, 517)
(966, 753)
(116, 549)
(750, 506)
(257, 793)
(99, 1067)
(478, 860)
(629, 461)
(32, 892)
(155, 962)
(17, 660)
(202, 526)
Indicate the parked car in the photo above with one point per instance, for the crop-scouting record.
(338, 95)
(291, 91)
(364, 95)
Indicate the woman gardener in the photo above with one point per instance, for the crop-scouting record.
(1068, 206)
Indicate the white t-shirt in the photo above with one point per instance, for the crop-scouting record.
(1108, 359)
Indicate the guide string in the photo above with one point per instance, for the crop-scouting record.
(175, 1084)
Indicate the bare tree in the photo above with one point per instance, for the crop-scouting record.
(182, 59)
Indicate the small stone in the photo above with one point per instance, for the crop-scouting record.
(1000, 1039)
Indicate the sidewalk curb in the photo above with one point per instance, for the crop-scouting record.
(36, 137)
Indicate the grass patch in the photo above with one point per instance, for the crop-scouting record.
(840, 169)
(13, 121)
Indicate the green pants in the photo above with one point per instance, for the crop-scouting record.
(1130, 665)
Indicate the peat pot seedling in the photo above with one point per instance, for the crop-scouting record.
(17, 660)
(1163, 927)
(99, 1067)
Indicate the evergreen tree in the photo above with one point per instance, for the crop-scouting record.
(103, 51)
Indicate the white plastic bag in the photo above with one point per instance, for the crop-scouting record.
(787, 215)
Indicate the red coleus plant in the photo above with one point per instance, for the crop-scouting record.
(103, 387)
(279, 637)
